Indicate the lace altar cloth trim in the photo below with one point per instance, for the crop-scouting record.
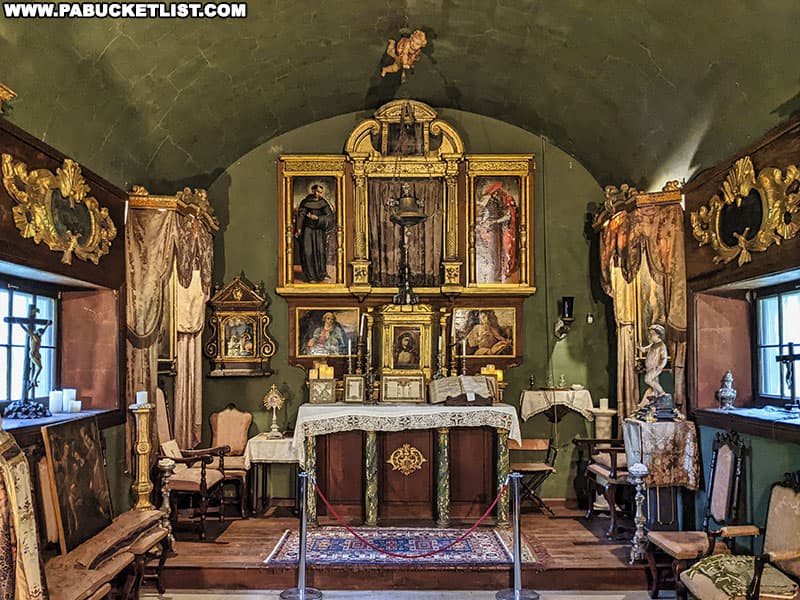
(314, 420)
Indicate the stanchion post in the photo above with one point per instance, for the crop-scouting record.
(517, 593)
(301, 592)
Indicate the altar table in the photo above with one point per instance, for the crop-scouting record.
(314, 420)
(668, 449)
(262, 451)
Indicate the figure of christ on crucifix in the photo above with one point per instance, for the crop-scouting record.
(34, 328)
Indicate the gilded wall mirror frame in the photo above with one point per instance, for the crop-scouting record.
(778, 201)
(57, 209)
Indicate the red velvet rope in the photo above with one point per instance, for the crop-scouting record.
(410, 556)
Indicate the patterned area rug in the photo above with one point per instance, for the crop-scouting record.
(336, 546)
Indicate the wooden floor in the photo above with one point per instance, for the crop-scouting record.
(577, 556)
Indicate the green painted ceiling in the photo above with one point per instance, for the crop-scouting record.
(636, 90)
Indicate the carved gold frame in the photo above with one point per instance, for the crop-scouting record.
(33, 214)
(440, 163)
(520, 166)
(393, 317)
(780, 209)
(310, 166)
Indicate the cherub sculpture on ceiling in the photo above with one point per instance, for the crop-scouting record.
(405, 52)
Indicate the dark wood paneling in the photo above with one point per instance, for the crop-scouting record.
(110, 272)
(340, 468)
(472, 469)
(412, 495)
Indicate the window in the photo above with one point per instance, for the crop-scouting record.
(15, 301)
(777, 325)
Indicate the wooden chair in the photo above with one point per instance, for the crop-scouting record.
(771, 574)
(683, 547)
(194, 475)
(230, 427)
(606, 471)
(534, 474)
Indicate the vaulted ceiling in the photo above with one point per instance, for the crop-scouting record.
(638, 91)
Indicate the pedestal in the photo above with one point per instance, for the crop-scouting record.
(142, 486)
(603, 422)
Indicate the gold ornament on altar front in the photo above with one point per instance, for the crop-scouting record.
(406, 459)
(274, 400)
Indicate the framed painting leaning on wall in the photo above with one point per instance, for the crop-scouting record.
(78, 480)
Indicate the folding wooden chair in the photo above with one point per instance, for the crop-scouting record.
(534, 474)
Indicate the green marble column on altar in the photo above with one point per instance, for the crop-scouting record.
(443, 478)
(311, 469)
(371, 474)
(503, 519)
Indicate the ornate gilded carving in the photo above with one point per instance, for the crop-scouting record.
(407, 459)
(56, 210)
(186, 202)
(503, 467)
(443, 478)
(6, 95)
(778, 204)
(371, 473)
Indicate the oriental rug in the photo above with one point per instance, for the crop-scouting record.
(335, 546)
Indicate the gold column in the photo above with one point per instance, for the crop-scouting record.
(371, 473)
(311, 469)
(443, 479)
(360, 261)
(452, 266)
(142, 486)
(503, 519)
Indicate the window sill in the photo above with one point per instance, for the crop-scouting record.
(774, 424)
(28, 431)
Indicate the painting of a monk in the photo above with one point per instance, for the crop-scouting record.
(315, 231)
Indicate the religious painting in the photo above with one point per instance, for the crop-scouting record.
(78, 479)
(325, 331)
(238, 335)
(402, 388)
(405, 354)
(499, 222)
(312, 232)
(485, 332)
(322, 391)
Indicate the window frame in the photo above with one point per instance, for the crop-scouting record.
(775, 291)
(36, 288)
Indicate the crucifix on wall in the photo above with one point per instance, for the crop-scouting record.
(27, 407)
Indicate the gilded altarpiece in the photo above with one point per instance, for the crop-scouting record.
(341, 245)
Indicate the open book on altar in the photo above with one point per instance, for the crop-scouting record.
(463, 390)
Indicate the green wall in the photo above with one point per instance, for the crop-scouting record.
(245, 199)
(765, 463)
(119, 479)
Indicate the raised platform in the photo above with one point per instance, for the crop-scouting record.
(578, 557)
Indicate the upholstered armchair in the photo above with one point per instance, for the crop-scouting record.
(682, 547)
(606, 470)
(194, 474)
(771, 574)
(230, 427)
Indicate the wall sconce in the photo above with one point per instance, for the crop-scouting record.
(567, 317)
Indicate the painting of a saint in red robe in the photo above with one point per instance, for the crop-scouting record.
(496, 229)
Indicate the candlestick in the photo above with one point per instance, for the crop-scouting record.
(363, 327)
(349, 357)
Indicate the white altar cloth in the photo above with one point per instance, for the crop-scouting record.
(263, 449)
(321, 419)
(534, 402)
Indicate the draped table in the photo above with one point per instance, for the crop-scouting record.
(321, 419)
(262, 451)
(534, 402)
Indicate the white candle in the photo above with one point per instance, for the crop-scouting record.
(141, 398)
(463, 347)
(440, 344)
(68, 397)
(363, 328)
(603, 403)
(349, 348)
(56, 403)
(75, 406)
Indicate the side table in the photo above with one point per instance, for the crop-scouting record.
(262, 451)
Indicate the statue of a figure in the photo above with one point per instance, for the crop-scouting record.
(655, 359)
(34, 351)
(726, 394)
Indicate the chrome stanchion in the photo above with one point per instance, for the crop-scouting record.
(301, 592)
(517, 593)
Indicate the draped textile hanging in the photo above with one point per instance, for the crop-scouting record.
(644, 270)
(194, 259)
(21, 572)
(149, 243)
